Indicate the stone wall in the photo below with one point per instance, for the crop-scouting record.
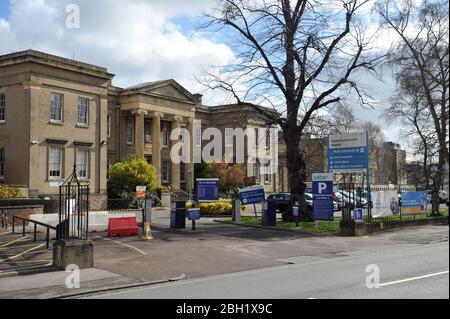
(21, 211)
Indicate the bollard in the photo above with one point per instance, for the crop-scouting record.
(147, 232)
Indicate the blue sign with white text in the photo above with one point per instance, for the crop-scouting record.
(358, 215)
(252, 195)
(208, 190)
(348, 153)
(323, 200)
(194, 214)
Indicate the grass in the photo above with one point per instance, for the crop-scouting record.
(320, 227)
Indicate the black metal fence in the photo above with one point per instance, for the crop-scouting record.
(73, 209)
(357, 197)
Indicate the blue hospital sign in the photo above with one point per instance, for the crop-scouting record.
(207, 189)
(323, 196)
(348, 153)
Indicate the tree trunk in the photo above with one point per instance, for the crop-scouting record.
(297, 175)
(437, 184)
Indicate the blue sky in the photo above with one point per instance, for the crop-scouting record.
(4, 9)
(138, 40)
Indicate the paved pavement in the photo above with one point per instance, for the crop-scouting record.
(53, 284)
(415, 272)
(222, 249)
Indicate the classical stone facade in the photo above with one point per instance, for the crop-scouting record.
(56, 113)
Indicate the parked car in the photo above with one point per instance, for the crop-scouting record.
(443, 196)
(358, 200)
(283, 201)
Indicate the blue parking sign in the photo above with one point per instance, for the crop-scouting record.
(323, 196)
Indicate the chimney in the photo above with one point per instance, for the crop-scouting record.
(198, 98)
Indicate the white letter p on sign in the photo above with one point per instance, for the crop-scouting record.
(322, 187)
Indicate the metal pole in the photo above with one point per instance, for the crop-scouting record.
(35, 230)
(23, 230)
(48, 237)
(13, 223)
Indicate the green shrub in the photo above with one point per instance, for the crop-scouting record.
(219, 208)
(126, 175)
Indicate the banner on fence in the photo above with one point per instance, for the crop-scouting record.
(385, 203)
(414, 203)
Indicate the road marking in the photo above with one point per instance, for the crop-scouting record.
(125, 245)
(414, 278)
(1, 234)
(14, 241)
(22, 253)
(277, 268)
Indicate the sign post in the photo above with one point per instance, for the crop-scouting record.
(323, 196)
(349, 153)
(141, 193)
(296, 213)
(194, 215)
(252, 195)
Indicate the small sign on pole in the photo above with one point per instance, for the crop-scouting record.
(141, 191)
(194, 215)
(358, 215)
(296, 213)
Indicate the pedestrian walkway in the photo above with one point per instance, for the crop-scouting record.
(19, 255)
(58, 284)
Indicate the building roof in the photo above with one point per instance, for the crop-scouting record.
(49, 59)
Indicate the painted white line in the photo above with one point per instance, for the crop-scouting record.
(1, 234)
(125, 245)
(14, 241)
(22, 253)
(414, 278)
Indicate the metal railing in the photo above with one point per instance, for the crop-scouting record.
(25, 220)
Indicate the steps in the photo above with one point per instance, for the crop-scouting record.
(20, 255)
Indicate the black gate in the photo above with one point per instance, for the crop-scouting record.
(73, 209)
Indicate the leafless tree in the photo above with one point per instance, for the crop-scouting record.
(422, 53)
(299, 56)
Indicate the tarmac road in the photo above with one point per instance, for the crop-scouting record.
(419, 271)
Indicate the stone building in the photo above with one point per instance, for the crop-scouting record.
(56, 113)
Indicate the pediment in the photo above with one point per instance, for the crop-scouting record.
(168, 89)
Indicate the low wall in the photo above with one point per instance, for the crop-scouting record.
(22, 211)
(50, 206)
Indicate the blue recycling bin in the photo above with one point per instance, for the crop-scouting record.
(269, 217)
(178, 215)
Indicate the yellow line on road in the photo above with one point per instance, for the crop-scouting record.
(14, 241)
(21, 254)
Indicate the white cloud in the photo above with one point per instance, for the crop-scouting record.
(135, 39)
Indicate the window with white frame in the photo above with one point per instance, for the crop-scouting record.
(55, 163)
(83, 111)
(130, 130)
(148, 130)
(268, 142)
(108, 164)
(165, 171)
(109, 126)
(2, 162)
(267, 175)
(82, 161)
(2, 107)
(57, 107)
(198, 136)
(166, 126)
(257, 171)
(182, 172)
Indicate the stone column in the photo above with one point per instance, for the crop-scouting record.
(176, 167)
(190, 165)
(139, 132)
(156, 143)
